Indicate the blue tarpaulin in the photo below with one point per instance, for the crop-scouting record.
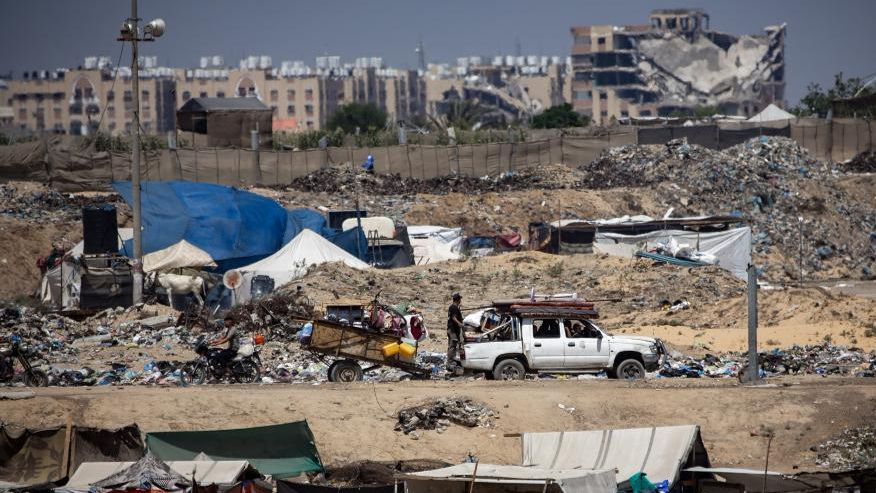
(235, 227)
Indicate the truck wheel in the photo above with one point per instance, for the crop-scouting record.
(509, 369)
(630, 369)
(345, 371)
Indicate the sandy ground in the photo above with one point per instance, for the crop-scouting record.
(356, 421)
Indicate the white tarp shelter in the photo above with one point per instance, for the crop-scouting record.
(179, 255)
(495, 478)
(383, 227)
(292, 261)
(660, 452)
(226, 472)
(60, 286)
(435, 243)
(772, 113)
(753, 479)
(732, 248)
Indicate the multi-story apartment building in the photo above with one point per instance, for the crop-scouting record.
(674, 64)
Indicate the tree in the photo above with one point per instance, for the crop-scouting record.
(817, 102)
(562, 116)
(365, 117)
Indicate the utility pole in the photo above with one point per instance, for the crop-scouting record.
(800, 221)
(131, 32)
(753, 369)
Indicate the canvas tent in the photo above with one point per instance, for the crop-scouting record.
(491, 478)
(660, 452)
(435, 243)
(147, 473)
(772, 113)
(205, 472)
(280, 451)
(31, 457)
(179, 255)
(732, 248)
(292, 261)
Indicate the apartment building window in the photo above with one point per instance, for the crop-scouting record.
(582, 95)
(203, 94)
(645, 113)
(603, 96)
(111, 111)
(600, 40)
(58, 97)
(290, 110)
(275, 95)
(186, 95)
(308, 109)
(144, 95)
(22, 114)
(290, 94)
(110, 95)
(308, 94)
(77, 93)
(670, 23)
(220, 94)
(309, 124)
(89, 93)
(129, 96)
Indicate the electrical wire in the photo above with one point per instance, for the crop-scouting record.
(112, 86)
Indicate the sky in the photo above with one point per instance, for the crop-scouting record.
(824, 36)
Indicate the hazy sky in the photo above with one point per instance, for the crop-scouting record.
(824, 36)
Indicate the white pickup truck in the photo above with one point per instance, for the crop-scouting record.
(559, 343)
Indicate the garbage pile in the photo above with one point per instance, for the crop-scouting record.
(439, 413)
(853, 449)
(46, 204)
(864, 162)
(344, 179)
(819, 359)
(770, 180)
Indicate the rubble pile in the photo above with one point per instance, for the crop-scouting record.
(46, 204)
(770, 180)
(853, 449)
(344, 179)
(819, 359)
(439, 413)
(864, 162)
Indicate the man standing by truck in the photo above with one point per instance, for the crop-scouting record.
(455, 334)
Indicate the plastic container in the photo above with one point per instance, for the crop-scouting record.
(390, 350)
(406, 351)
(258, 339)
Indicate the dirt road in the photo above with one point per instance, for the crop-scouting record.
(355, 421)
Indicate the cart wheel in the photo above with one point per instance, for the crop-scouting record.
(345, 371)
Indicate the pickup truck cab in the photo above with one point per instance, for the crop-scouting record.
(558, 340)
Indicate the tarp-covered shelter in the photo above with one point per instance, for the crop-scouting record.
(661, 452)
(772, 113)
(280, 451)
(205, 472)
(293, 260)
(233, 226)
(180, 255)
(491, 478)
(226, 122)
(148, 473)
(32, 457)
(435, 243)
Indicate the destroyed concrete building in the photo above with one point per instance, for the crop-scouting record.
(674, 65)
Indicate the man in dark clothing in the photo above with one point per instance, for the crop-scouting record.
(455, 333)
(231, 339)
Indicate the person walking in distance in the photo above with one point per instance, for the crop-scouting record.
(455, 337)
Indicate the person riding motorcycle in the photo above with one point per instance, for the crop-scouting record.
(230, 338)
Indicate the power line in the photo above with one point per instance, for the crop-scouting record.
(112, 86)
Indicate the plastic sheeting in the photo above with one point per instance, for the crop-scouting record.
(435, 243)
(227, 223)
(491, 477)
(660, 452)
(182, 254)
(204, 472)
(732, 248)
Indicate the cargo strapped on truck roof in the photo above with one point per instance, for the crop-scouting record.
(554, 311)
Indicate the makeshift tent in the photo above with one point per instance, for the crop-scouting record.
(290, 487)
(293, 260)
(280, 451)
(223, 473)
(732, 248)
(492, 478)
(182, 254)
(435, 243)
(61, 286)
(772, 113)
(233, 226)
(381, 227)
(147, 473)
(660, 452)
(30, 457)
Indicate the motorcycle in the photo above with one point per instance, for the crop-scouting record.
(15, 351)
(244, 368)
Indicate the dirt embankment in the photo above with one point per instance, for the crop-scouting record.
(356, 421)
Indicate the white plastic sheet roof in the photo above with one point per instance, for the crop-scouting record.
(578, 481)
(660, 451)
(182, 254)
(224, 472)
(772, 113)
(435, 243)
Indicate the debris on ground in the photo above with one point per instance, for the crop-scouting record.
(864, 162)
(45, 204)
(439, 413)
(853, 449)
